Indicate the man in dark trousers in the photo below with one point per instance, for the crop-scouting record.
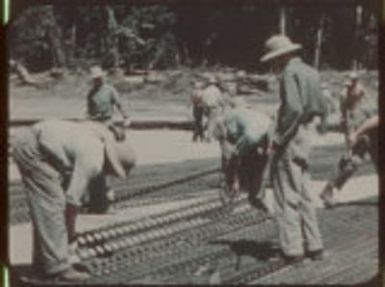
(243, 136)
(197, 105)
(356, 107)
(57, 161)
(102, 102)
(301, 100)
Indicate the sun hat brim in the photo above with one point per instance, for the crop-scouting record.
(274, 54)
(97, 75)
(101, 131)
(113, 159)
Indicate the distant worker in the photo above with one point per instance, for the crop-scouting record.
(369, 128)
(353, 99)
(57, 160)
(329, 100)
(243, 138)
(213, 104)
(197, 106)
(102, 100)
(356, 107)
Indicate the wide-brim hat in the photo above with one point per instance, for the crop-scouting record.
(353, 76)
(120, 155)
(238, 102)
(211, 79)
(277, 46)
(96, 72)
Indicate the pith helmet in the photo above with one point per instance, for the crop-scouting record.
(279, 45)
(121, 157)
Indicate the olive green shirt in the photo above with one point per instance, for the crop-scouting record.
(75, 150)
(299, 89)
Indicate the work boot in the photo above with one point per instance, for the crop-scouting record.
(70, 275)
(288, 259)
(295, 259)
(327, 196)
(316, 255)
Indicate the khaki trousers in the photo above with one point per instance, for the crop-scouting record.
(47, 204)
(295, 212)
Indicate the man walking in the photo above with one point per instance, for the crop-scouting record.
(213, 104)
(103, 98)
(102, 101)
(197, 105)
(356, 107)
(57, 161)
(301, 100)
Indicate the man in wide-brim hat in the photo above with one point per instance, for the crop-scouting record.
(57, 160)
(103, 98)
(213, 104)
(299, 233)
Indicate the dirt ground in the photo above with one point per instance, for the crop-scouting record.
(164, 95)
(168, 99)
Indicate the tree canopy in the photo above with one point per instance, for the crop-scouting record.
(191, 34)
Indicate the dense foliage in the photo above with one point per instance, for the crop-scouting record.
(165, 36)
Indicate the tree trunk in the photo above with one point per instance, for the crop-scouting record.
(317, 54)
(357, 28)
(55, 41)
(112, 39)
(282, 20)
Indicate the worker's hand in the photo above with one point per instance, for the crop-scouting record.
(271, 146)
(260, 150)
(353, 137)
(127, 121)
(235, 189)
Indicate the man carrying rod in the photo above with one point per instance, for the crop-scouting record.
(301, 101)
(57, 161)
(356, 107)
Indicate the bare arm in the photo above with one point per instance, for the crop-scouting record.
(368, 125)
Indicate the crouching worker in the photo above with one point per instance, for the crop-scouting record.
(243, 138)
(57, 160)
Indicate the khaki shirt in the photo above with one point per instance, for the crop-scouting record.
(75, 149)
(299, 84)
(101, 102)
(212, 97)
(245, 128)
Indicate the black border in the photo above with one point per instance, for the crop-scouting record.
(17, 6)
